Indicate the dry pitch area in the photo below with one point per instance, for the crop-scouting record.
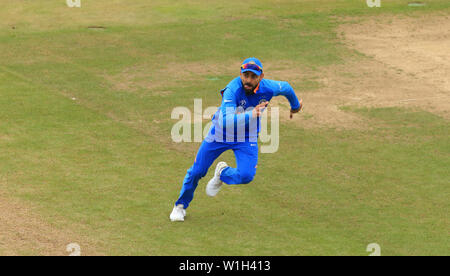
(406, 64)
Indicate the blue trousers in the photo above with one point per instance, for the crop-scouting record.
(246, 154)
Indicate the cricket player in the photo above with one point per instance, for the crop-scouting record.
(235, 126)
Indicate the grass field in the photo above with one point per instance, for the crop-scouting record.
(85, 141)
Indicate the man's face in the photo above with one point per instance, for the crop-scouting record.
(250, 81)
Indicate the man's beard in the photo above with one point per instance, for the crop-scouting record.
(250, 91)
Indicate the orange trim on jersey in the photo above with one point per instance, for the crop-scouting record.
(257, 88)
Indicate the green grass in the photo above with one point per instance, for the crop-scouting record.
(106, 161)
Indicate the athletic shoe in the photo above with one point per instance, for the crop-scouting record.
(178, 213)
(214, 184)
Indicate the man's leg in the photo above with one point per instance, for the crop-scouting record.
(207, 153)
(246, 161)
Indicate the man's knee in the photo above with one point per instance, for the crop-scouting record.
(247, 177)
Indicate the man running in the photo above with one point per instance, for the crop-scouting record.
(235, 126)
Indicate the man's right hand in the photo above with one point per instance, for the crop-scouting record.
(257, 111)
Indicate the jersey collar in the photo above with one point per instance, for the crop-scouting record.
(257, 88)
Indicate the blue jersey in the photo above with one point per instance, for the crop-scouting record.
(233, 121)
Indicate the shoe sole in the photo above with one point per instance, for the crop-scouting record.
(207, 193)
(217, 172)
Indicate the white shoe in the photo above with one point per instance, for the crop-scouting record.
(178, 213)
(213, 186)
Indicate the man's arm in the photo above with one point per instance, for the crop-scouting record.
(283, 88)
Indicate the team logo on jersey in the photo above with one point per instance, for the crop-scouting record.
(242, 103)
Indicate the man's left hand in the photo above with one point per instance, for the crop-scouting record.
(296, 110)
